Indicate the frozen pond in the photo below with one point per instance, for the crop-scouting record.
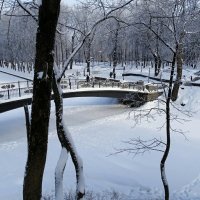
(5, 78)
(77, 111)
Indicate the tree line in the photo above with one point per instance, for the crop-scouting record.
(131, 37)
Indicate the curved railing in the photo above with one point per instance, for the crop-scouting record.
(22, 88)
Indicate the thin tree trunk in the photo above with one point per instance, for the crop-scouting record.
(155, 65)
(62, 51)
(167, 149)
(37, 145)
(177, 83)
(72, 60)
(88, 52)
(27, 118)
(115, 50)
(159, 64)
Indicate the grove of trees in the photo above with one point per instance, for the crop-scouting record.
(140, 27)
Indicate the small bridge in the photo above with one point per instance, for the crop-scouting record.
(17, 94)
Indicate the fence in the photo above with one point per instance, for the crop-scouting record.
(15, 89)
(22, 88)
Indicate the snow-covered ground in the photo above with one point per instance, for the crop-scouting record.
(99, 126)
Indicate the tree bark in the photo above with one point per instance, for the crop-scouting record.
(37, 145)
(157, 64)
(72, 60)
(167, 149)
(179, 59)
(66, 140)
(115, 49)
(88, 52)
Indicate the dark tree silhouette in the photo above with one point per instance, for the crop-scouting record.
(38, 134)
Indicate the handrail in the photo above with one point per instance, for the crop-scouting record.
(22, 88)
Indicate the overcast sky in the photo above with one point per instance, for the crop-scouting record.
(69, 2)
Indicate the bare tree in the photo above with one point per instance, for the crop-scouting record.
(43, 75)
(141, 146)
(63, 134)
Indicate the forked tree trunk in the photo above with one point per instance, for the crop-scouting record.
(37, 142)
(63, 134)
(66, 142)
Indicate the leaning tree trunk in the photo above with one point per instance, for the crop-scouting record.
(38, 139)
(67, 143)
(72, 60)
(167, 149)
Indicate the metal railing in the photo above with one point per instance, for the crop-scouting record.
(15, 89)
(22, 88)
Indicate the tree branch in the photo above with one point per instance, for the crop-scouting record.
(27, 10)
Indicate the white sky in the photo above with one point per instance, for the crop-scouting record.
(69, 2)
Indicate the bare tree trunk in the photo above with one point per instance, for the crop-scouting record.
(37, 145)
(66, 140)
(180, 52)
(62, 51)
(157, 64)
(115, 50)
(72, 60)
(179, 60)
(56, 55)
(167, 149)
(27, 118)
(88, 52)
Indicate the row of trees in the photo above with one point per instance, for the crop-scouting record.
(114, 42)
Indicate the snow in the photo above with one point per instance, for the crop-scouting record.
(40, 75)
(80, 176)
(98, 127)
(39, 2)
(60, 167)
